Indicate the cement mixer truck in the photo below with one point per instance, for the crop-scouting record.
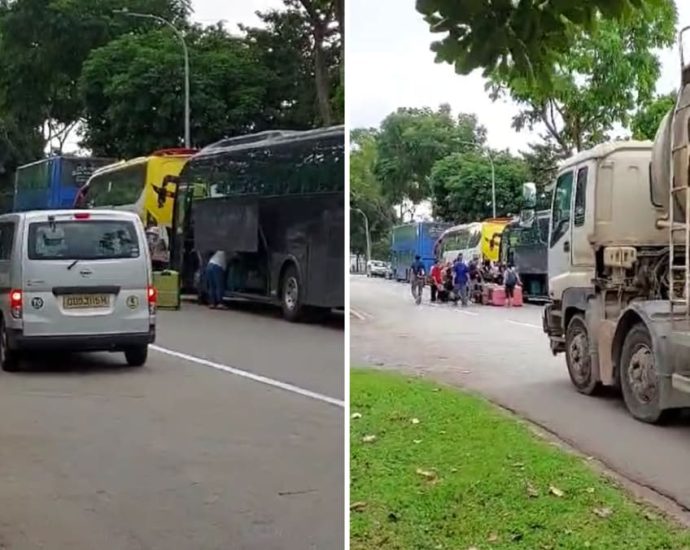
(619, 267)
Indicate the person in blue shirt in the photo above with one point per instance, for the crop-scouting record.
(417, 273)
(461, 277)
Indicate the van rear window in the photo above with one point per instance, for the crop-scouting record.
(83, 240)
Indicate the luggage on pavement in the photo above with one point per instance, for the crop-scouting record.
(167, 284)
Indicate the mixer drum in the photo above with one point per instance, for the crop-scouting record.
(661, 154)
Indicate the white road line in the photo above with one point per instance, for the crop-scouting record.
(251, 376)
(357, 314)
(531, 325)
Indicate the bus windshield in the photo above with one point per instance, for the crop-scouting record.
(118, 187)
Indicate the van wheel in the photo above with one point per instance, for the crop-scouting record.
(291, 295)
(136, 357)
(9, 359)
(639, 378)
(577, 356)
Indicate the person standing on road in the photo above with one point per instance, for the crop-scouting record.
(215, 277)
(461, 280)
(417, 275)
(511, 279)
(436, 280)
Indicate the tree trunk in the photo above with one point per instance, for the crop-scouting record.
(339, 7)
(321, 74)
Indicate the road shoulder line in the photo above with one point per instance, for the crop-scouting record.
(251, 376)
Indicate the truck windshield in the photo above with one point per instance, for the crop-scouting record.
(83, 240)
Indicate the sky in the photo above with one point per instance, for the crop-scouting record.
(231, 11)
(389, 64)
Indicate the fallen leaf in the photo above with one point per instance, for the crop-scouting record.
(355, 416)
(392, 516)
(453, 470)
(650, 516)
(427, 474)
(493, 537)
(473, 548)
(369, 439)
(555, 491)
(436, 389)
(442, 432)
(518, 465)
(358, 506)
(416, 441)
(532, 490)
(590, 489)
(603, 512)
(415, 420)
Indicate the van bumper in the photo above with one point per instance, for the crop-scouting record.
(96, 342)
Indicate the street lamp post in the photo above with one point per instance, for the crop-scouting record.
(493, 172)
(366, 230)
(187, 132)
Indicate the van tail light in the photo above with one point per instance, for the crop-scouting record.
(16, 298)
(82, 216)
(152, 295)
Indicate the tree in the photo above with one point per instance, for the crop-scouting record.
(132, 90)
(412, 140)
(326, 19)
(604, 76)
(647, 120)
(462, 186)
(43, 45)
(366, 195)
(284, 45)
(527, 38)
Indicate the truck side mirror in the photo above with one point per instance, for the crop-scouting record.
(529, 196)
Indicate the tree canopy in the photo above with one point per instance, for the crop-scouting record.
(76, 63)
(527, 37)
(605, 76)
(646, 121)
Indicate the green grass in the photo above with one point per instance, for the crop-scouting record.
(493, 479)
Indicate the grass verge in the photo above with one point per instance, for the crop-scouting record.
(434, 468)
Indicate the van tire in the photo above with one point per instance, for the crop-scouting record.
(9, 359)
(136, 357)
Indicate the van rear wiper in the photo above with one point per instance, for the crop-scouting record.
(70, 266)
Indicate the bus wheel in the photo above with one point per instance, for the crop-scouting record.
(577, 356)
(291, 295)
(638, 378)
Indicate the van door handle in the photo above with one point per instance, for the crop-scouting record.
(566, 246)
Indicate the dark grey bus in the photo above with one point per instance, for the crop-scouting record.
(274, 202)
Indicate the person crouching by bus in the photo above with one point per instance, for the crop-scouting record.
(436, 281)
(215, 278)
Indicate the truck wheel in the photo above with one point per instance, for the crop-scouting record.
(577, 356)
(638, 378)
(136, 357)
(291, 295)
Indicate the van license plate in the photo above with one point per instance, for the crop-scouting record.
(86, 301)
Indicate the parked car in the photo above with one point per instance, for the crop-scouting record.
(377, 268)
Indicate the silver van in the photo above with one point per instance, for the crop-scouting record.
(75, 280)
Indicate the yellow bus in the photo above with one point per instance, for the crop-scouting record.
(145, 185)
(475, 241)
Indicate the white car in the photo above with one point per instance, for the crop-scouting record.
(75, 280)
(376, 268)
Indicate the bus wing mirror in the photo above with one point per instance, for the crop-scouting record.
(529, 195)
(163, 193)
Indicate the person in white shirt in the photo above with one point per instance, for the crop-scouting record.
(215, 278)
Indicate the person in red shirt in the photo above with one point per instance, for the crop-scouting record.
(436, 280)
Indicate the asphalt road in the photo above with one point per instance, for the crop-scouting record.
(185, 453)
(504, 355)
